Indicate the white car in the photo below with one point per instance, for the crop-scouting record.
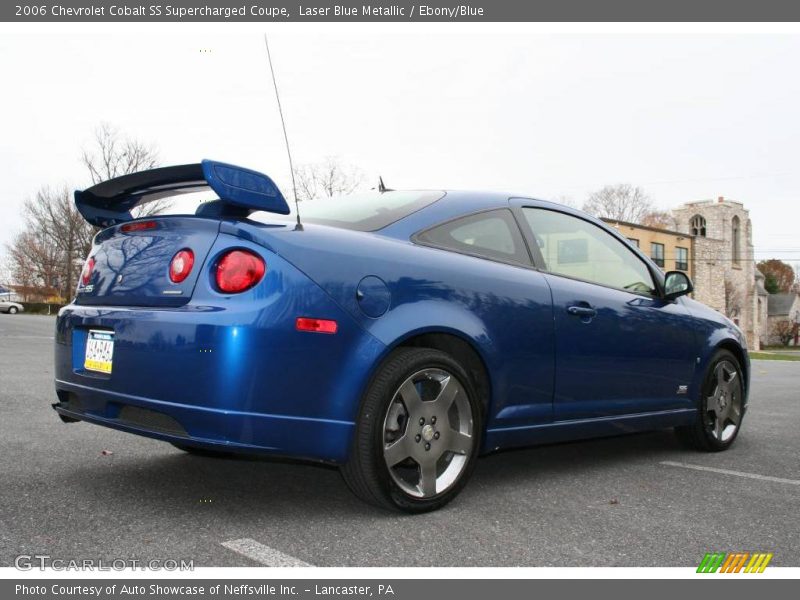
(11, 308)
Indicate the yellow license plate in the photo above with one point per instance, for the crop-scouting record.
(99, 351)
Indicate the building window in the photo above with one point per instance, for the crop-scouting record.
(634, 241)
(736, 233)
(682, 258)
(657, 253)
(698, 226)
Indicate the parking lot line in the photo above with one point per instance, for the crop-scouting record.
(670, 463)
(264, 554)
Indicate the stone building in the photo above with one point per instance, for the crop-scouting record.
(712, 241)
(723, 264)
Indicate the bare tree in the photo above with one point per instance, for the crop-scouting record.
(113, 154)
(783, 330)
(47, 255)
(733, 300)
(326, 179)
(621, 202)
(660, 219)
(54, 243)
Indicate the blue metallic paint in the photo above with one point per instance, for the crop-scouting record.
(234, 371)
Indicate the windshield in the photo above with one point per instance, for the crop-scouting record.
(367, 211)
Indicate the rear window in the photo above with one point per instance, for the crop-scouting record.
(367, 211)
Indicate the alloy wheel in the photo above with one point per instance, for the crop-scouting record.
(428, 433)
(724, 404)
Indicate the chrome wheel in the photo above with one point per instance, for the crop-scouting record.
(723, 410)
(428, 433)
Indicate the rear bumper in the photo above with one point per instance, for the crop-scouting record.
(237, 431)
(223, 371)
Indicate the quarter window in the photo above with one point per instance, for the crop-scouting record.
(576, 248)
(492, 234)
(657, 253)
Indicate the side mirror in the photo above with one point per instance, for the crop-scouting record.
(677, 284)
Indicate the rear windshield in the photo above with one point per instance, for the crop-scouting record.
(367, 211)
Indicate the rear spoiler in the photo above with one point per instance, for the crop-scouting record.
(242, 190)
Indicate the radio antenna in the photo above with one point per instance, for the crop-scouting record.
(285, 135)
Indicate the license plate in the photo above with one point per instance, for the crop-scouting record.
(99, 351)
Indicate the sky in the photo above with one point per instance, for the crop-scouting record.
(685, 116)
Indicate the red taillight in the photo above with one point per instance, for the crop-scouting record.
(315, 325)
(181, 265)
(86, 272)
(138, 226)
(239, 270)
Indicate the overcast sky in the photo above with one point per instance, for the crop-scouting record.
(686, 117)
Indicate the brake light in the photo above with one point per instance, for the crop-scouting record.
(315, 325)
(239, 270)
(86, 272)
(181, 265)
(139, 226)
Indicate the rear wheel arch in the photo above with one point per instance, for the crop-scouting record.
(462, 351)
(368, 472)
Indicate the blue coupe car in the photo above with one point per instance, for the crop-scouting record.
(398, 334)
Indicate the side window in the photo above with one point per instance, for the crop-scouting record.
(576, 248)
(493, 234)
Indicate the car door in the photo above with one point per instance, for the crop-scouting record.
(513, 303)
(620, 348)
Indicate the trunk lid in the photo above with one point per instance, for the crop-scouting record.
(132, 262)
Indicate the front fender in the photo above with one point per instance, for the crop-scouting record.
(713, 335)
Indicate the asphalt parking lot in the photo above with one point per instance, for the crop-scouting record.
(626, 501)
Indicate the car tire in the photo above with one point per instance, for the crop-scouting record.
(12, 310)
(721, 406)
(418, 433)
(208, 453)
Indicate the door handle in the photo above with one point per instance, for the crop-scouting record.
(582, 311)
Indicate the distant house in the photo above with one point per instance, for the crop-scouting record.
(781, 308)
